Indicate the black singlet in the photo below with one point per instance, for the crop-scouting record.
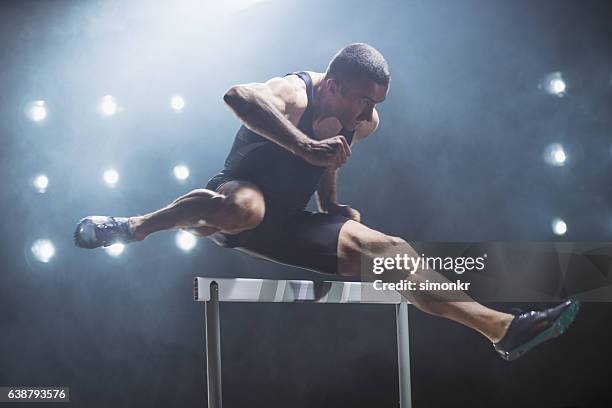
(288, 234)
(286, 180)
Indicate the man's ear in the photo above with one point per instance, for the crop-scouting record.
(332, 86)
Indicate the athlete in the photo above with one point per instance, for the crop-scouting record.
(297, 130)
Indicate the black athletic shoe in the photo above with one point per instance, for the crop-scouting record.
(97, 231)
(529, 329)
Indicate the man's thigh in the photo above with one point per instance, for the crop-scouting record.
(245, 199)
(243, 192)
(307, 240)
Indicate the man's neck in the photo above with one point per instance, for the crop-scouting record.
(320, 110)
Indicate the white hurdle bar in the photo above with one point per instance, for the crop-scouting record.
(211, 291)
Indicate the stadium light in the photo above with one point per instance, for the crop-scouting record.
(559, 226)
(36, 110)
(108, 105)
(43, 250)
(177, 103)
(186, 241)
(41, 182)
(111, 177)
(181, 172)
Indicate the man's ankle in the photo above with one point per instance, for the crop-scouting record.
(501, 328)
(136, 228)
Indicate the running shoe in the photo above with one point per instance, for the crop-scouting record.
(529, 329)
(96, 231)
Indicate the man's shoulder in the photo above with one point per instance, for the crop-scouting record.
(291, 90)
(291, 93)
(367, 128)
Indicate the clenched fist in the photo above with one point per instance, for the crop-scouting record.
(331, 152)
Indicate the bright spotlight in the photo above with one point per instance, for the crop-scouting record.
(559, 157)
(181, 172)
(177, 103)
(114, 250)
(559, 226)
(36, 110)
(555, 155)
(557, 85)
(43, 250)
(185, 240)
(108, 105)
(554, 84)
(111, 177)
(41, 182)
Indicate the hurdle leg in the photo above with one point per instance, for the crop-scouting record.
(213, 347)
(403, 354)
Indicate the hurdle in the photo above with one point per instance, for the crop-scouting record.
(212, 291)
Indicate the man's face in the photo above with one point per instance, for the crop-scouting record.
(355, 101)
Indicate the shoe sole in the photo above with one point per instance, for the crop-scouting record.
(565, 319)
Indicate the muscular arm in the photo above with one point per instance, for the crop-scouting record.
(326, 191)
(267, 108)
(273, 110)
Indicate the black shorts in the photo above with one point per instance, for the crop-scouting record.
(304, 239)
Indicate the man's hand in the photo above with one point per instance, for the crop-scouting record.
(344, 210)
(331, 152)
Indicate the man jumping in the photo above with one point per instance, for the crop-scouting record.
(297, 131)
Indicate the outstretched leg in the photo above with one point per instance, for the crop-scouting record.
(358, 243)
(236, 206)
(511, 336)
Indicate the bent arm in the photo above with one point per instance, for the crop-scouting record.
(267, 108)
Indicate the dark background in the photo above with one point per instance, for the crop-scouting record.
(457, 157)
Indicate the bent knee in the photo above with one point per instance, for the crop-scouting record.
(383, 245)
(358, 243)
(242, 210)
(357, 239)
(373, 242)
(394, 241)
